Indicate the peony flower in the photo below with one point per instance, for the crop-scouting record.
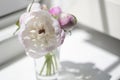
(40, 33)
(67, 21)
(55, 11)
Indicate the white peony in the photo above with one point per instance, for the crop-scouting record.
(40, 33)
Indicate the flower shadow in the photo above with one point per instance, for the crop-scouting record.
(81, 71)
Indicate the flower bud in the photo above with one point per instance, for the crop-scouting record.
(67, 21)
(55, 11)
(44, 7)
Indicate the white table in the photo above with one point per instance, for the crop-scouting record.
(81, 61)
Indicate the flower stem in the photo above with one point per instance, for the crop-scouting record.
(53, 66)
(31, 5)
(50, 67)
(43, 67)
(47, 70)
(56, 65)
(50, 64)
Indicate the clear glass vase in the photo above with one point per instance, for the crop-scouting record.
(47, 67)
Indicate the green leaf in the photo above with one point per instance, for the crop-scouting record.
(18, 25)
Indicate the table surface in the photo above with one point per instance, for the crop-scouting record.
(80, 60)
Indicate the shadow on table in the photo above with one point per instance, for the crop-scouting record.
(103, 41)
(79, 71)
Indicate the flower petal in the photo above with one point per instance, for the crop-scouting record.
(55, 11)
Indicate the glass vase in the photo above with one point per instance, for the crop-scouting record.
(47, 67)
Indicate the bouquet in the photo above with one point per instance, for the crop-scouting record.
(42, 31)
